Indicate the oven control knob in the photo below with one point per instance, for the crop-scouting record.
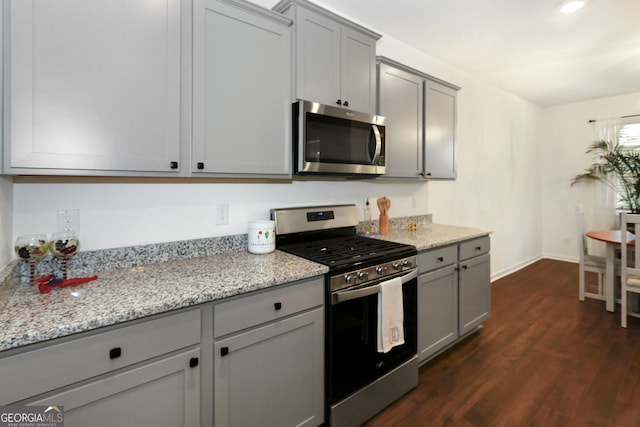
(348, 278)
(363, 275)
(396, 266)
(406, 263)
(381, 270)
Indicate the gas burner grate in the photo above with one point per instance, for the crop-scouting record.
(344, 250)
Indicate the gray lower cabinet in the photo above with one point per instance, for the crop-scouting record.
(146, 373)
(165, 392)
(241, 90)
(454, 294)
(474, 284)
(438, 310)
(421, 142)
(268, 358)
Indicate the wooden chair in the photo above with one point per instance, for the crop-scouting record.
(588, 262)
(630, 281)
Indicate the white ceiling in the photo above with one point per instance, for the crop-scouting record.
(523, 46)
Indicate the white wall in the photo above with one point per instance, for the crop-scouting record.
(566, 135)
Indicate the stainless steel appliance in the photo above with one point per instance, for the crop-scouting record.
(332, 140)
(360, 380)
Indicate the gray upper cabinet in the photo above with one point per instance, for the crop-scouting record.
(439, 130)
(400, 97)
(93, 86)
(422, 122)
(334, 57)
(241, 90)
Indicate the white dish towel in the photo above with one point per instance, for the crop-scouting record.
(390, 315)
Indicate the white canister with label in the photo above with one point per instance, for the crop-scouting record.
(262, 237)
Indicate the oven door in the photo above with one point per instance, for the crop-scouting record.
(338, 141)
(353, 359)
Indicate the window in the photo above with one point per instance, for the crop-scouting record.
(629, 134)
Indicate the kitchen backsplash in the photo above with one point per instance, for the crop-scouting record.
(91, 262)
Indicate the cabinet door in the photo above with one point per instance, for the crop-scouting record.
(358, 62)
(162, 393)
(272, 375)
(318, 42)
(400, 96)
(475, 292)
(241, 91)
(440, 135)
(93, 86)
(437, 310)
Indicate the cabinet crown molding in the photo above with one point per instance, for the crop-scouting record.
(285, 4)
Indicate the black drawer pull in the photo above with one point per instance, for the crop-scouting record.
(345, 103)
(478, 248)
(193, 362)
(339, 102)
(173, 165)
(115, 352)
(277, 306)
(464, 267)
(440, 259)
(200, 165)
(224, 351)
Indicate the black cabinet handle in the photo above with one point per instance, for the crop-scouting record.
(478, 248)
(200, 165)
(464, 267)
(339, 102)
(224, 351)
(346, 103)
(193, 362)
(277, 306)
(440, 259)
(115, 352)
(174, 165)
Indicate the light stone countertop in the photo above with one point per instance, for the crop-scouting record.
(433, 236)
(126, 292)
(120, 295)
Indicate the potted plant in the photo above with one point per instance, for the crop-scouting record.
(619, 168)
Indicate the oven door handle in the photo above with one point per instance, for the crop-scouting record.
(338, 297)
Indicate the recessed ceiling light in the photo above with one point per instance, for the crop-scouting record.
(572, 6)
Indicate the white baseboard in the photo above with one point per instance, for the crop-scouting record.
(515, 268)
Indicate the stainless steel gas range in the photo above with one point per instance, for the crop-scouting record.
(362, 377)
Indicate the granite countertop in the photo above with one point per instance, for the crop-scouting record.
(433, 236)
(119, 295)
(142, 281)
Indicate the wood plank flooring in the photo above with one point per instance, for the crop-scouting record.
(543, 358)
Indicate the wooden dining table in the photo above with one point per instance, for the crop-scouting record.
(613, 239)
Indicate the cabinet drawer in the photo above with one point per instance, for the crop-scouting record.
(436, 258)
(54, 366)
(474, 247)
(247, 311)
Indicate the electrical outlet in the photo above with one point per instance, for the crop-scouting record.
(69, 220)
(222, 214)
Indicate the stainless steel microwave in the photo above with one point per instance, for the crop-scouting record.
(331, 140)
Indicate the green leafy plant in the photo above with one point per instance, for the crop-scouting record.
(617, 167)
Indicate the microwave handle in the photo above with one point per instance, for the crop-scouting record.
(338, 297)
(376, 134)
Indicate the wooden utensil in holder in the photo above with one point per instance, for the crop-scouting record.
(384, 204)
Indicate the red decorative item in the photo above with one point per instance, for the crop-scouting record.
(45, 284)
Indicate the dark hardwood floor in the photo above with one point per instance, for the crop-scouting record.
(543, 358)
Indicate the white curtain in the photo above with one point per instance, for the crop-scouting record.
(602, 214)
